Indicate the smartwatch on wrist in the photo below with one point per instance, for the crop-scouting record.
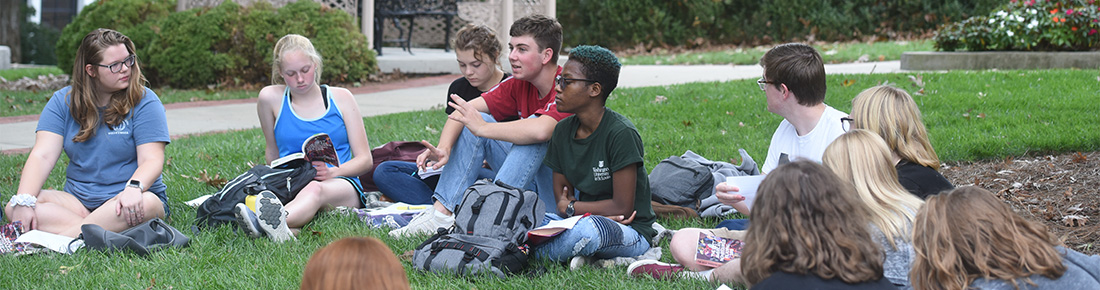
(569, 211)
(135, 184)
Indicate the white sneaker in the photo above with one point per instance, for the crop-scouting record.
(272, 217)
(425, 222)
(579, 261)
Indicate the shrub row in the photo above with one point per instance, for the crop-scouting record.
(223, 45)
(620, 23)
(1028, 25)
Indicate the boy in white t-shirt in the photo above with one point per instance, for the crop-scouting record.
(794, 84)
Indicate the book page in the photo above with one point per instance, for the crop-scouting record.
(713, 251)
(542, 234)
(747, 186)
(54, 242)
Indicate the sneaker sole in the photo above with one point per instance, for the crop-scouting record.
(272, 217)
(244, 222)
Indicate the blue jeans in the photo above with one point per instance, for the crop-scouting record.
(734, 224)
(515, 165)
(397, 180)
(594, 236)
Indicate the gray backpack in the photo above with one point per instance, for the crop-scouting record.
(681, 182)
(489, 234)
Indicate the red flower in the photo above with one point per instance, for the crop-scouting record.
(1055, 11)
(1073, 28)
(1069, 12)
(1093, 31)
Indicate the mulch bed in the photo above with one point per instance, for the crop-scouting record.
(1061, 191)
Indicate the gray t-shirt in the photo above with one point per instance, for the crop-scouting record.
(1082, 272)
(898, 259)
(99, 167)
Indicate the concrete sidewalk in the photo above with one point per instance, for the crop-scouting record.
(18, 136)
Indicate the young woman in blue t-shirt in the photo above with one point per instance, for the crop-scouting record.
(290, 111)
(113, 129)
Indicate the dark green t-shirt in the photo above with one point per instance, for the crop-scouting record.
(588, 163)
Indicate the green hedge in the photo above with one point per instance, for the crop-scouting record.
(1027, 25)
(628, 23)
(223, 45)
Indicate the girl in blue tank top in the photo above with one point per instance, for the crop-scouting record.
(293, 109)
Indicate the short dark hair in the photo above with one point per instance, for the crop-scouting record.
(545, 30)
(798, 66)
(600, 64)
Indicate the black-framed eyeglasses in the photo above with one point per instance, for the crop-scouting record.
(846, 123)
(117, 67)
(763, 84)
(562, 81)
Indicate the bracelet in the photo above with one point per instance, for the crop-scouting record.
(23, 199)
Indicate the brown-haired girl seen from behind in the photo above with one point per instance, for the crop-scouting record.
(969, 239)
(807, 231)
(354, 263)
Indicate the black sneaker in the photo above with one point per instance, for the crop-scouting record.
(247, 220)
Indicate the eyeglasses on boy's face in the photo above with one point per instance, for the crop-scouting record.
(117, 67)
(562, 82)
(763, 84)
(846, 123)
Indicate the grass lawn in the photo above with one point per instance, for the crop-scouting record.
(970, 115)
(18, 103)
(839, 52)
(30, 72)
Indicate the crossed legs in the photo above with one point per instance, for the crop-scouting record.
(62, 213)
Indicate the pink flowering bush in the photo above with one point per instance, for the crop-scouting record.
(1028, 25)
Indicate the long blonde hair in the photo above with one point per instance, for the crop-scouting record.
(891, 113)
(289, 43)
(82, 96)
(807, 223)
(967, 233)
(862, 158)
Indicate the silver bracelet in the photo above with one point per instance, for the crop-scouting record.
(23, 199)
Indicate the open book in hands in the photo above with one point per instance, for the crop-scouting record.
(542, 234)
(713, 251)
(318, 147)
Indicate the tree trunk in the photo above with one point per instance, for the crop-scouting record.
(9, 27)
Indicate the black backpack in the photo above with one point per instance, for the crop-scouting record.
(284, 180)
(489, 235)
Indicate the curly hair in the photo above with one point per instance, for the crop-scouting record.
(600, 64)
(862, 158)
(545, 30)
(289, 43)
(892, 114)
(967, 233)
(807, 222)
(82, 96)
(481, 40)
(798, 66)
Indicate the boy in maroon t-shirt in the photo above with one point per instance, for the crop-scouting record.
(475, 133)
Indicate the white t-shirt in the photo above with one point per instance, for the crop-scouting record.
(809, 147)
